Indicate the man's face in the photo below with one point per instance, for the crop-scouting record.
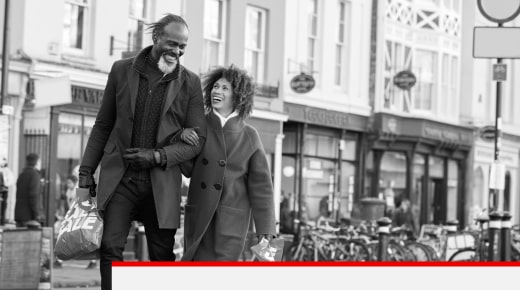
(170, 46)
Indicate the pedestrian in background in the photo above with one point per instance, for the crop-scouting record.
(29, 208)
(147, 100)
(230, 179)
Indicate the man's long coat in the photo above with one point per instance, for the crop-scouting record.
(230, 180)
(112, 133)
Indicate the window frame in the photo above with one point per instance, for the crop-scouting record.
(210, 39)
(260, 50)
(85, 37)
(145, 18)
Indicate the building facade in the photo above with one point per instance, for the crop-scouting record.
(479, 92)
(417, 148)
(59, 70)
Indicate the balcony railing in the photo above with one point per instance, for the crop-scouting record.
(266, 91)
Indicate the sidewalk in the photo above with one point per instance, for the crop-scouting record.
(74, 274)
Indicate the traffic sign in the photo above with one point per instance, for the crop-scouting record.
(499, 11)
(499, 72)
(496, 42)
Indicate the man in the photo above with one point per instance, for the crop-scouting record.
(28, 210)
(148, 99)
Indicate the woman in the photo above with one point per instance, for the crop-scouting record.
(230, 179)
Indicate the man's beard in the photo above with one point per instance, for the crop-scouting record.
(165, 66)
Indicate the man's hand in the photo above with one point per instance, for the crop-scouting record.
(140, 158)
(86, 179)
(268, 237)
(190, 136)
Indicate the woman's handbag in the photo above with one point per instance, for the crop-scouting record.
(80, 232)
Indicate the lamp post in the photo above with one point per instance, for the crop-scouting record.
(5, 57)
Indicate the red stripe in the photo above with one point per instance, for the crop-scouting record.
(316, 264)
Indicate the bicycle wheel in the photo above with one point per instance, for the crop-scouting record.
(463, 255)
(299, 253)
(394, 252)
(351, 250)
(420, 251)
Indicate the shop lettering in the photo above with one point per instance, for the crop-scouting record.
(76, 224)
(89, 96)
(441, 134)
(327, 118)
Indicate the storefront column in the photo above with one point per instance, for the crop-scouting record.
(277, 182)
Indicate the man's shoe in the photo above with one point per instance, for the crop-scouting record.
(92, 265)
(58, 264)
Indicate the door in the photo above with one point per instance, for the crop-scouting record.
(436, 198)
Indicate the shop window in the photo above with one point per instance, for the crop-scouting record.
(346, 197)
(319, 177)
(369, 174)
(349, 151)
(321, 145)
(289, 142)
(392, 181)
(288, 200)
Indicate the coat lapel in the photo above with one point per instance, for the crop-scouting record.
(133, 86)
(173, 89)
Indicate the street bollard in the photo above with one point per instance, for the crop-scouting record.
(505, 238)
(383, 230)
(495, 223)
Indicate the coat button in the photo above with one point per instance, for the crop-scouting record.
(217, 186)
(222, 163)
(203, 185)
(204, 161)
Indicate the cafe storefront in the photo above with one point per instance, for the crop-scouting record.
(320, 164)
(420, 160)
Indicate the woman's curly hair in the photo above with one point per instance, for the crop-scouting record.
(241, 83)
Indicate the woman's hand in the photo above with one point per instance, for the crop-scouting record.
(190, 136)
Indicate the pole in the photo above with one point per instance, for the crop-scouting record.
(494, 230)
(505, 238)
(5, 57)
(383, 230)
(494, 202)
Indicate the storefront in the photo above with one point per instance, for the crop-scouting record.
(59, 135)
(422, 161)
(320, 164)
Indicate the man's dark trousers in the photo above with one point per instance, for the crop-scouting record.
(132, 200)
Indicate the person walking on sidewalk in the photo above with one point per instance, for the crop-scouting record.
(147, 100)
(28, 210)
(230, 179)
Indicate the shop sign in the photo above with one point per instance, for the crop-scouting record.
(405, 80)
(87, 96)
(445, 134)
(302, 83)
(487, 133)
(327, 118)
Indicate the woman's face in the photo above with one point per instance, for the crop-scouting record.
(222, 97)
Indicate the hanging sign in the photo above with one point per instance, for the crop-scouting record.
(405, 80)
(302, 83)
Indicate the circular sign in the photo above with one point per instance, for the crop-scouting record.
(499, 11)
(405, 80)
(302, 83)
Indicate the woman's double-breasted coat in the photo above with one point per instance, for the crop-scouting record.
(230, 182)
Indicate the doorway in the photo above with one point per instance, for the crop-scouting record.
(436, 210)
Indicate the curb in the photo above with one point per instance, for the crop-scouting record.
(83, 284)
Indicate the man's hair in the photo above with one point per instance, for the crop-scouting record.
(31, 159)
(242, 86)
(157, 28)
